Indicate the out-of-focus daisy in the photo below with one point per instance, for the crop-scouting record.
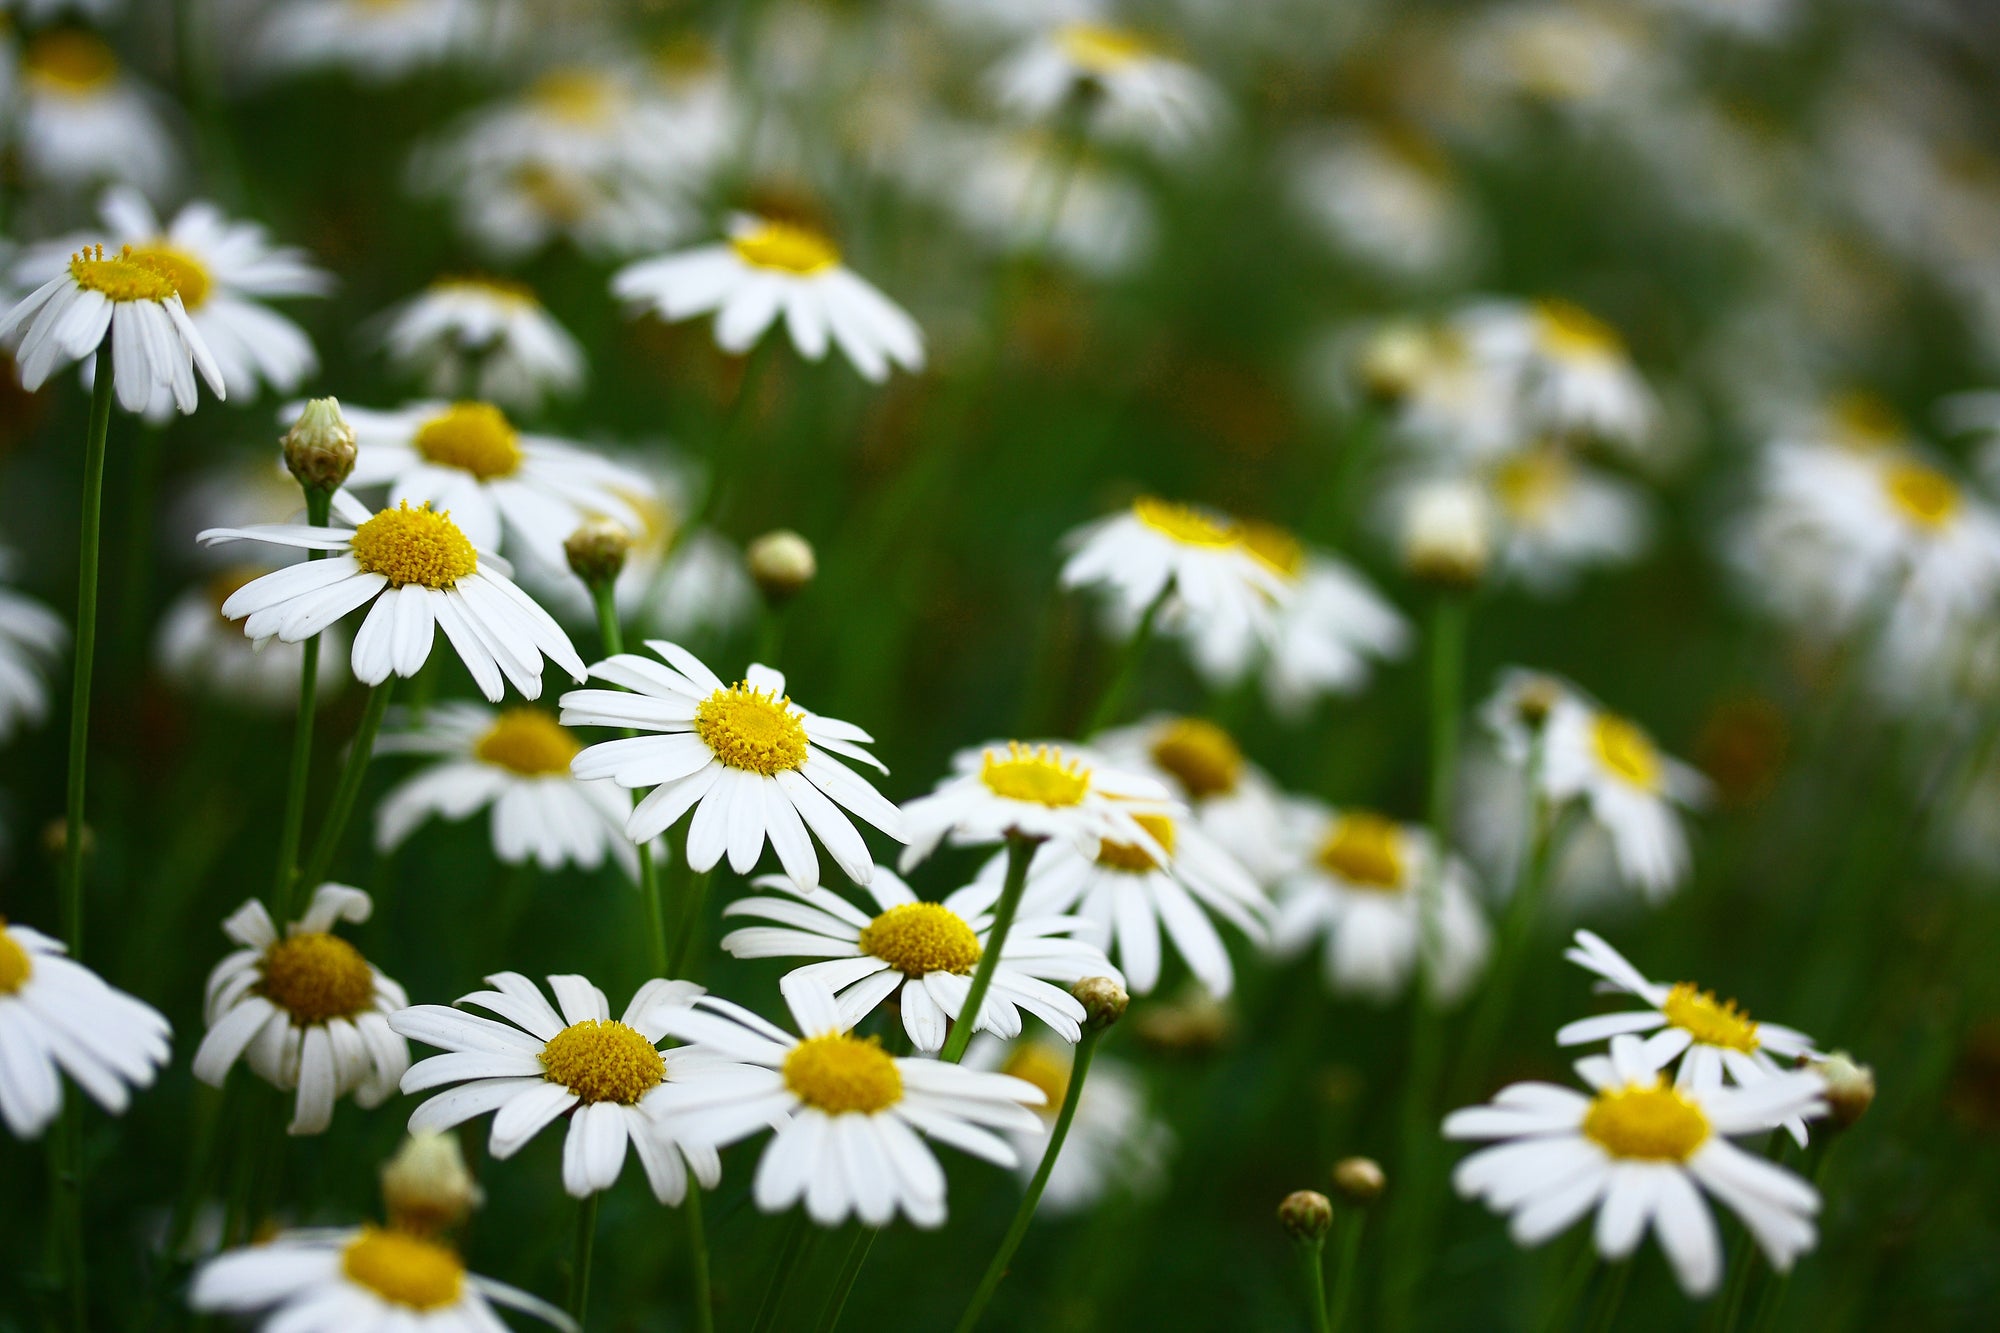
(924, 954)
(31, 640)
(1583, 59)
(1558, 517)
(1632, 790)
(131, 296)
(1756, 20)
(1235, 802)
(1447, 396)
(1199, 560)
(850, 1119)
(513, 211)
(605, 1074)
(485, 337)
(1577, 379)
(1014, 192)
(1709, 1037)
(1115, 1142)
(1358, 886)
(1038, 792)
(58, 1017)
(594, 119)
(516, 761)
(83, 120)
(1444, 528)
(203, 652)
(422, 573)
(1126, 88)
(466, 459)
(1388, 199)
(767, 269)
(749, 762)
(382, 40)
(1640, 1151)
(304, 1010)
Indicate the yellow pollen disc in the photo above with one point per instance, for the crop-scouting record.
(404, 1269)
(785, 247)
(1184, 524)
(1708, 1020)
(1921, 494)
(842, 1073)
(1041, 775)
(751, 729)
(1626, 751)
(1276, 549)
(15, 965)
(129, 275)
(473, 437)
(190, 276)
(575, 96)
(1035, 1062)
(604, 1061)
(529, 742)
(1201, 755)
(71, 61)
(1571, 332)
(1099, 49)
(1529, 485)
(500, 289)
(1130, 856)
(1649, 1122)
(920, 938)
(420, 546)
(316, 976)
(1866, 421)
(1365, 850)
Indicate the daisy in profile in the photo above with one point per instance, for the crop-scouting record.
(607, 1075)
(468, 460)
(203, 652)
(767, 269)
(1358, 886)
(32, 638)
(422, 574)
(514, 211)
(58, 1017)
(379, 40)
(1640, 1152)
(1576, 378)
(749, 762)
(1008, 191)
(1130, 90)
(1711, 1038)
(517, 762)
(850, 1119)
(1037, 792)
(1558, 517)
(1390, 199)
(923, 954)
(485, 337)
(82, 120)
(1234, 802)
(1197, 561)
(304, 1010)
(1634, 792)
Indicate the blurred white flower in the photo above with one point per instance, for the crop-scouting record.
(204, 653)
(483, 338)
(1559, 517)
(380, 40)
(84, 121)
(1628, 787)
(32, 638)
(1388, 199)
(1126, 89)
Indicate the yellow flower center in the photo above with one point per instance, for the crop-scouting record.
(504, 290)
(1097, 48)
(1921, 494)
(529, 742)
(1650, 1122)
(15, 965)
(1130, 856)
(1708, 1020)
(1034, 1062)
(70, 61)
(785, 247)
(1201, 755)
(578, 97)
(129, 275)
(751, 729)
(1626, 751)
(1529, 485)
(316, 976)
(919, 938)
(841, 1073)
(404, 1269)
(190, 276)
(1365, 850)
(473, 437)
(1571, 333)
(1185, 524)
(604, 1061)
(1042, 775)
(1276, 549)
(420, 546)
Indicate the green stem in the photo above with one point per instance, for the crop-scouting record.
(1561, 1309)
(1122, 676)
(1020, 850)
(579, 1269)
(1312, 1264)
(1346, 1265)
(344, 795)
(1086, 1048)
(704, 1303)
(1604, 1315)
(781, 1273)
(843, 1283)
(691, 919)
(603, 595)
(86, 652)
(284, 886)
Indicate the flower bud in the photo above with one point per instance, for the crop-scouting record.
(783, 563)
(1359, 1179)
(1447, 534)
(1393, 359)
(1306, 1215)
(1103, 1001)
(319, 448)
(425, 1186)
(597, 550)
(1850, 1086)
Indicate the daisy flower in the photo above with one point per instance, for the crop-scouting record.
(1710, 1037)
(923, 954)
(749, 762)
(1641, 1152)
(304, 1011)
(607, 1075)
(766, 269)
(134, 297)
(517, 762)
(1576, 378)
(514, 211)
(421, 572)
(31, 640)
(56, 1017)
(359, 1280)
(376, 40)
(203, 652)
(487, 337)
(1358, 882)
(1037, 792)
(1388, 199)
(849, 1118)
(1235, 802)
(1632, 790)
(1131, 91)
(83, 120)
(599, 120)
(1558, 517)
(1198, 560)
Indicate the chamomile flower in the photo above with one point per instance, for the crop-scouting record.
(923, 954)
(749, 762)
(381, 40)
(486, 337)
(422, 573)
(1129, 90)
(1576, 377)
(1558, 517)
(850, 1119)
(607, 1075)
(204, 652)
(767, 269)
(83, 120)
(304, 1010)
(1630, 789)
(1010, 191)
(57, 1017)
(1387, 199)
(600, 120)
(517, 762)
(1233, 800)
(1358, 886)
(1711, 1038)
(31, 640)
(1198, 560)
(467, 459)
(1034, 791)
(1449, 396)
(1641, 1152)
(1116, 1143)
(513, 211)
